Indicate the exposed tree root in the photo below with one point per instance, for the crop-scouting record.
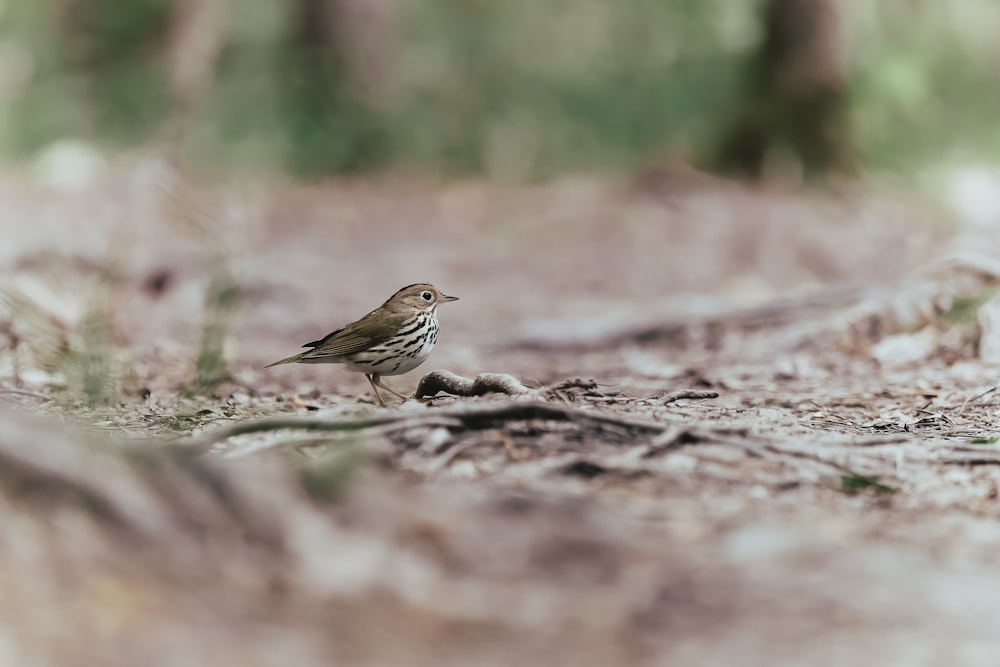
(443, 433)
(457, 418)
(679, 319)
(456, 385)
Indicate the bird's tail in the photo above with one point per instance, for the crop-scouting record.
(289, 360)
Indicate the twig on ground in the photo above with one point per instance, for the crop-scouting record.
(576, 383)
(877, 442)
(442, 461)
(666, 399)
(976, 397)
(614, 399)
(971, 461)
(29, 394)
(681, 394)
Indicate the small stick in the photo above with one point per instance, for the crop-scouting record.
(976, 398)
(675, 396)
(29, 394)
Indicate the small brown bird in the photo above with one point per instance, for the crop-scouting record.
(393, 339)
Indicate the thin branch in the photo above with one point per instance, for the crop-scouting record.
(681, 394)
(879, 441)
(970, 399)
(29, 394)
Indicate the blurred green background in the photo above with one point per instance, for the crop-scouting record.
(513, 88)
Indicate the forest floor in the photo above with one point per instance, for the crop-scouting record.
(759, 427)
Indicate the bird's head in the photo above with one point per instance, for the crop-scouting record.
(420, 296)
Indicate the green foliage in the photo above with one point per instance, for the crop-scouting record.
(327, 129)
(95, 359)
(221, 301)
(515, 89)
(91, 68)
(923, 93)
(327, 476)
(94, 366)
(855, 483)
(965, 309)
(523, 88)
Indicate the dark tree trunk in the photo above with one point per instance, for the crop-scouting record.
(338, 76)
(797, 98)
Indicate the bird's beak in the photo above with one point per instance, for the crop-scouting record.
(445, 297)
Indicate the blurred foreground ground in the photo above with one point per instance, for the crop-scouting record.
(835, 504)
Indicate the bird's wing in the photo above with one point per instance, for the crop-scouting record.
(363, 334)
(317, 343)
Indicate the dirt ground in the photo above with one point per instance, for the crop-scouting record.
(759, 428)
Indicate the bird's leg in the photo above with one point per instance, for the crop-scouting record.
(376, 380)
(373, 382)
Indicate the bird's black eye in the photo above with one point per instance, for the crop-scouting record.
(426, 296)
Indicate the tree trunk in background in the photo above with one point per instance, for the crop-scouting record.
(366, 33)
(339, 73)
(196, 37)
(797, 97)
